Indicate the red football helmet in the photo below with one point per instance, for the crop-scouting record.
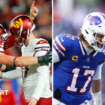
(3, 33)
(8, 41)
(21, 25)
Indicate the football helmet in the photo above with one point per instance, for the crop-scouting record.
(3, 33)
(21, 25)
(94, 23)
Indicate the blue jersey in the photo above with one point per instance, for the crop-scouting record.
(73, 74)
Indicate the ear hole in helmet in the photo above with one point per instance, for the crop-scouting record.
(99, 26)
(94, 34)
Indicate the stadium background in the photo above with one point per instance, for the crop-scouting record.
(8, 10)
(68, 18)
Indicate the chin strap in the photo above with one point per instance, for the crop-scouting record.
(97, 98)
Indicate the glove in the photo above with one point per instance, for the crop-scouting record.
(45, 58)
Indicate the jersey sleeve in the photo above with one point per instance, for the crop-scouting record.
(1, 45)
(17, 73)
(62, 44)
(43, 79)
(55, 56)
(41, 49)
(98, 72)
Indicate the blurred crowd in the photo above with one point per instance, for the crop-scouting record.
(69, 14)
(11, 8)
(8, 10)
(68, 18)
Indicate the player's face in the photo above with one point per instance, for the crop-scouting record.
(17, 38)
(100, 38)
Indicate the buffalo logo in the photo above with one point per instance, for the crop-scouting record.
(75, 58)
(93, 20)
(88, 59)
(17, 23)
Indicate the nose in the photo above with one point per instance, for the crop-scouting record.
(100, 37)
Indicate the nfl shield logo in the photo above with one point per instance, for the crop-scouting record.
(88, 59)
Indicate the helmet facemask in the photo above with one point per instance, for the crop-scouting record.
(24, 34)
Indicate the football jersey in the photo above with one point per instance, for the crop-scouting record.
(73, 74)
(36, 77)
(1, 45)
(32, 83)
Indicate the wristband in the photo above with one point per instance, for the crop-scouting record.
(14, 61)
(97, 98)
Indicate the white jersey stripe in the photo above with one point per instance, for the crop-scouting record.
(95, 53)
(60, 44)
(82, 48)
(58, 49)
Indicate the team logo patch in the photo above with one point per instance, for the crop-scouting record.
(88, 59)
(42, 42)
(75, 58)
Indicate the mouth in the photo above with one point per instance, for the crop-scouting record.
(99, 45)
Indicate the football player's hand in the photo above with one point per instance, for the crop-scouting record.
(49, 56)
(31, 101)
(45, 58)
(33, 11)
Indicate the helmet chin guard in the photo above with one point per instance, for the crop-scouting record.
(94, 23)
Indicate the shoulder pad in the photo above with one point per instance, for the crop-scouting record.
(42, 44)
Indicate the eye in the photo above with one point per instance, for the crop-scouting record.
(18, 32)
(25, 32)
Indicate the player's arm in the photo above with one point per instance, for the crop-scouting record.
(17, 73)
(25, 60)
(55, 56)
(96, 86)
(43, 74)
(61, 44)
(42, 77)
(33, 11)
(6, 68)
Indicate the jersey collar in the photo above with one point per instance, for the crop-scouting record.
(86, 50)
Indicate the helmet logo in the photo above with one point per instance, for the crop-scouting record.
(18, 23)
(93, 20)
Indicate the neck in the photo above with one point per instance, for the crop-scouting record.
(87, 45)
(31, 36)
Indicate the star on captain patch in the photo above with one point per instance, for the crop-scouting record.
(88, 59)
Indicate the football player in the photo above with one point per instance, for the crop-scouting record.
(7, 41)
(78, 62)
(36, 77)
(16, 61)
